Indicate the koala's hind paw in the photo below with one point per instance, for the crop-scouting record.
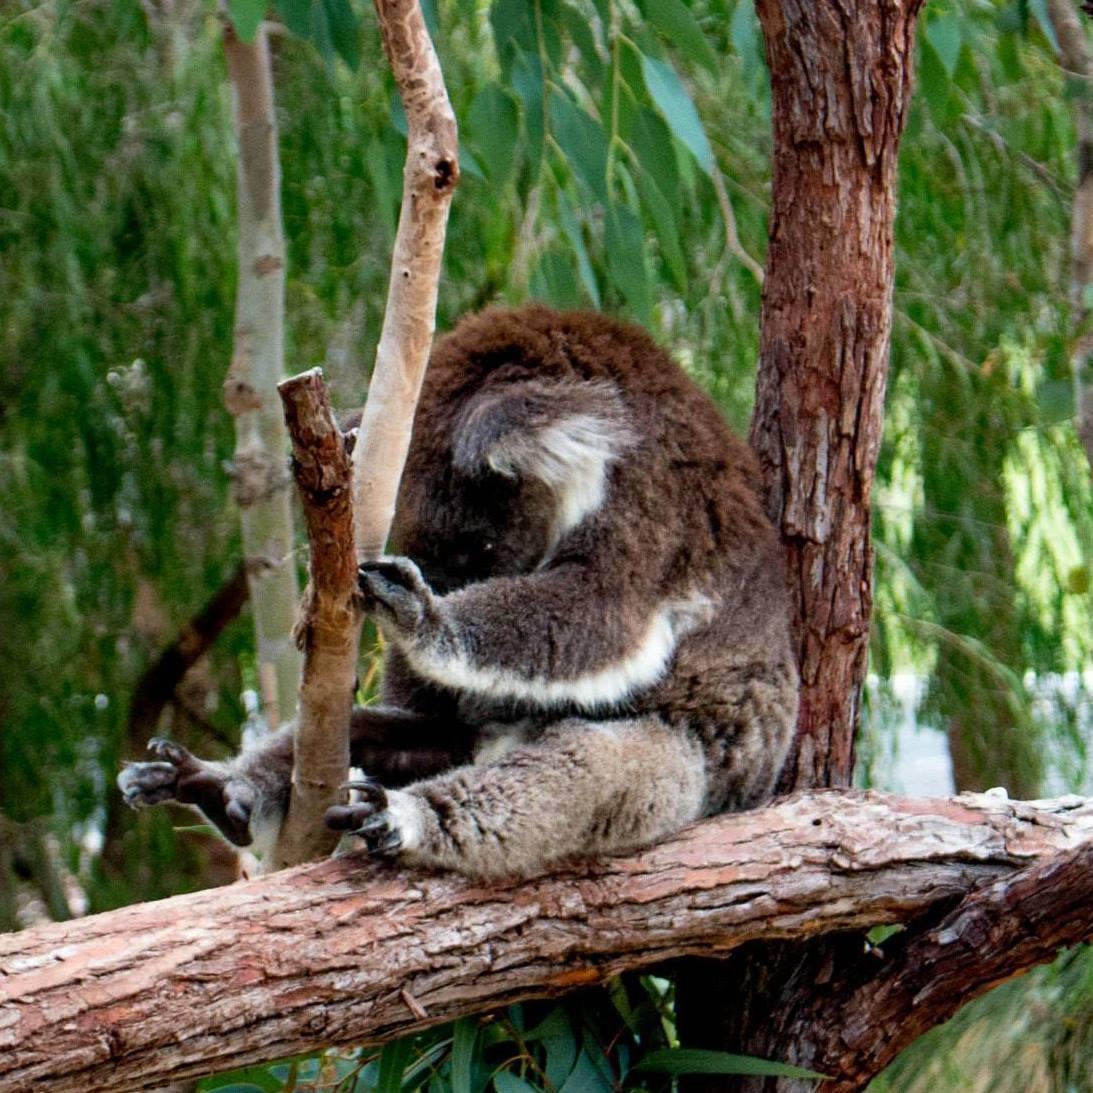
(180, 776)
(368, 818)
(395, 591)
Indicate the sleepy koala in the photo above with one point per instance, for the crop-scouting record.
(587, 618)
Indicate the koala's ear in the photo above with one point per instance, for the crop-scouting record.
(539, 428)
(562, 434)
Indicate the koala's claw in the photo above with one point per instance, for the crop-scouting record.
(367, 818)
(395, 589)
(144, 784)
(172, 753)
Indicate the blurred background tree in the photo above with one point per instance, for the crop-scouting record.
(615, 154)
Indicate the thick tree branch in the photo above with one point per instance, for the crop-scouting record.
(162, 991)
(329, 629)
(1017, 922)
(428, 182)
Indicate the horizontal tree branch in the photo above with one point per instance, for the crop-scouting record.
(345, 952)
(1015, 922)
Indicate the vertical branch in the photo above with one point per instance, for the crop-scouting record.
(260, 477)
(329, 629)
(1077, 62)
(428, 181)
(331, 625)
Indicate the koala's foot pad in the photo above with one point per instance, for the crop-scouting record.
(177, 775)
(367, 818)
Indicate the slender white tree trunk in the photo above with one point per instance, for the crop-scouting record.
(261, 479)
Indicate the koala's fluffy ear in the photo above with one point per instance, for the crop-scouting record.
(563, 434)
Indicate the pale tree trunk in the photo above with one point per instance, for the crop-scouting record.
(428, 181)
(1077, 61)
(261, 478)
(346, 952)
(841, 77)
(336, 520)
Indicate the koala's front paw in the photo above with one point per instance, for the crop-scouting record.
(394, 590)
(368, 818)
(180, 776)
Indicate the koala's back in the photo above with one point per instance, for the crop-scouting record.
(680, 525)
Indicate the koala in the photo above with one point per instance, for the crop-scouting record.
(586, 613)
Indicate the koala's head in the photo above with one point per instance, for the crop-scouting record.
(498, 475)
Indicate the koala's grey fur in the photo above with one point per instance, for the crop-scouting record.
(591, 641)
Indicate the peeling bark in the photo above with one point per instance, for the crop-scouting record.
(260, 478)
(329, 627)
(344, 952)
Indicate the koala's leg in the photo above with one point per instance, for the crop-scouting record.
(584, 787)
(245, 797)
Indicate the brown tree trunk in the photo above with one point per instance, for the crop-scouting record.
(1077, 60)
(841, 77)
(344, 952)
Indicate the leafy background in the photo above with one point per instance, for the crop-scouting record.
(615, 154)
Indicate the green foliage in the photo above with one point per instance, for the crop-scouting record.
(597, 1042)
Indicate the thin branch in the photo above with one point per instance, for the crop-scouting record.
(338, 518)
(329, 630)
(163, 991)
(429, 180)
(157, 686)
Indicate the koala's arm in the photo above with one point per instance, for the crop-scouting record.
(245, 797)
(569, 634)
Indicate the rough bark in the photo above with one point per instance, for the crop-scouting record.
(329, 627)
(840, 86)
(841, 77)
(1077, 60)
(162, 991)
(428, 182)
(260, 475)
(872, 1009)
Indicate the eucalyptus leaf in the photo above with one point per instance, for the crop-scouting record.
(493, 123)
(681, 1060)
(675, 20)
(464, 1041)
(663, 216)
(624, 242)
(582, 140)
(507, 1082)
(679, 111)
(393, 1060)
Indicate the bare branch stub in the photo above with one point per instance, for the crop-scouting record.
(329, 628)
